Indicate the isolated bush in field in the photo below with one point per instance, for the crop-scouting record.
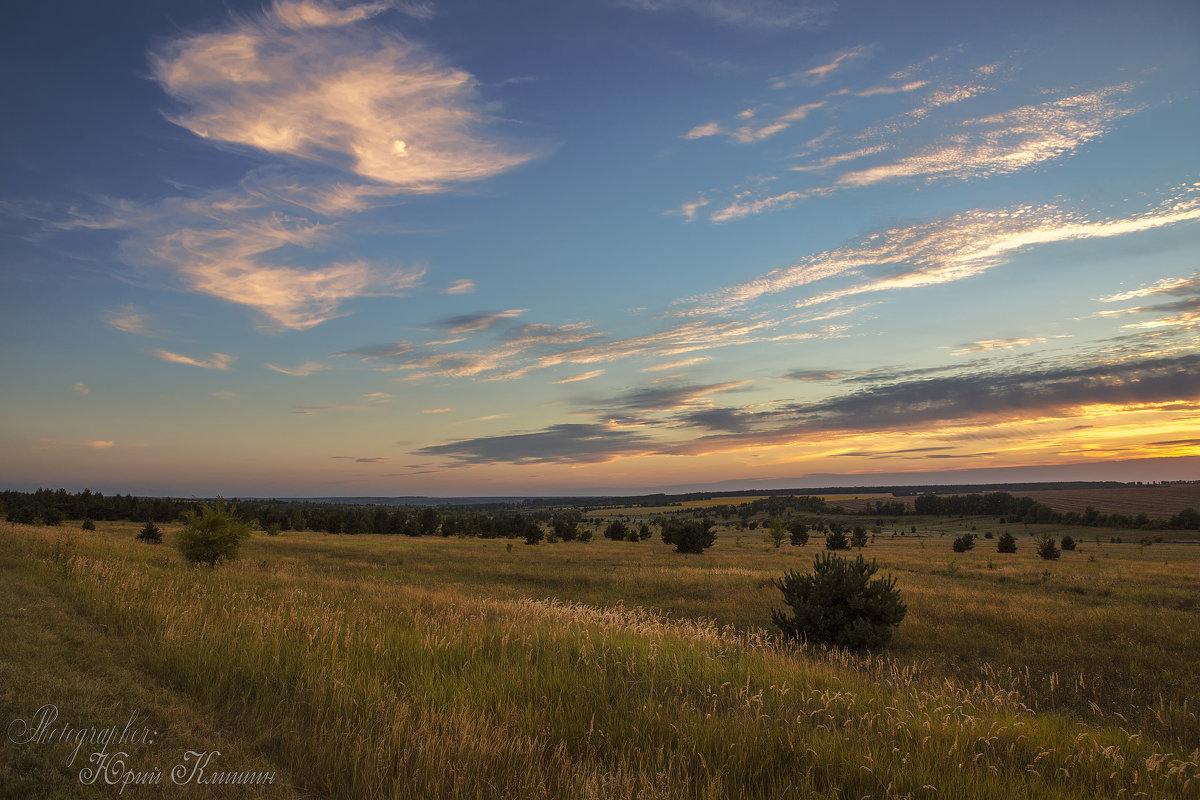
(272, 529)
(87, 525)
(839, 604)
(1047, 549)
(836, 539)
(1007, 543)
(964, 543)
(1067, 543)
(150, 533)
(799, 532)
(534, 533)
(689, 536)
(631, 534)
(858, 537)
(617, 530)
(211, 533)
(643, 532)
(583, 534)
(988, 535)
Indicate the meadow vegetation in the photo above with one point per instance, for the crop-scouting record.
(427, 667)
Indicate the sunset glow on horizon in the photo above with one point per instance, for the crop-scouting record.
(309, 248)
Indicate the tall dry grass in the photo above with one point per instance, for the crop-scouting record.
(367, 684)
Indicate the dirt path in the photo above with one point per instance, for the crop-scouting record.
(56, 665)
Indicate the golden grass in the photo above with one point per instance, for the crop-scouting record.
(383, 667)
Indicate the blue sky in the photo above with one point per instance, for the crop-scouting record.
(463, 248)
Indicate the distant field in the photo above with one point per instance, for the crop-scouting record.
(1154, 501)
(398, 667)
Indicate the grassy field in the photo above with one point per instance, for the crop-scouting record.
(390, 667)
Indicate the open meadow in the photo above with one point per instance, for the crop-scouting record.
(426, 667)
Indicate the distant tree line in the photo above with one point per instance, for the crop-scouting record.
(519, 519)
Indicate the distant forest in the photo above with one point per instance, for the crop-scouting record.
(517, 519)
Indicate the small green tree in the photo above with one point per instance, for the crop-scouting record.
(689, 536)
(777, 533)
(1067, 543)
(858, 537)
(87, 525)
(533, 533)
(150, 533)
(964, 543)
(839, 604)
(1007, 543)
(799, 532)
(211, 533)
(617, 530)
(836, 539)
(643, 532)
(1047, 549)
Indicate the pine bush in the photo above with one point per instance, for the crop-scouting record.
(839, 604)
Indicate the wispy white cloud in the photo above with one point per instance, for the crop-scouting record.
(680, 364)
(821, 72)
(230, 246)
(80, 387)
(437, 410)
(219, 361)
(463, 286)
(300, 370)
(948, 250)
(127, 319)
(989, 345)
(583, 376)
(1009, 142)
(751, 132)
(1165, 286)
(999, 144)
(307, 80)
(100, 445)
(910, 86)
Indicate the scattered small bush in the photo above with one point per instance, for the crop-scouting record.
(617, 530)
(1007, 543)
(1047, 549)
(150, 534)
(87, 525)
(836, 539)
(1067, 543)
(858, 537)
(964, 543)
(799, 533)
(211, 533)
(839, 604)
(689, 536)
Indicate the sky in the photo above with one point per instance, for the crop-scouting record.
(468, 247)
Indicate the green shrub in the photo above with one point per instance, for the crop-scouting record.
(839, 604)
(150, 533)
(1007, 543)
(799, 532)
(836, 539)
(964, 543)
(858, 537)
(617, 530)
(87, 525)
(689, 536)
(211, 533)
(1047, 549)
(1067, 543)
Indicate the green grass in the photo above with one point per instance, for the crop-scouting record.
(383, 667)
